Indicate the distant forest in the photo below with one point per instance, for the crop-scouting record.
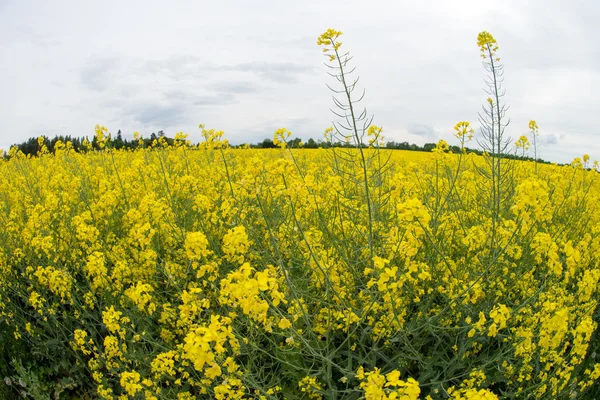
(31, 146)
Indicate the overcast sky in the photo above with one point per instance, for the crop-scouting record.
(249, 67)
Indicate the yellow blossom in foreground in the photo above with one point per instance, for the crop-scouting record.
(196, 245)
(130, 382)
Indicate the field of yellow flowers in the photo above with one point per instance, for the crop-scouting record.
(229, 273)
(189, 272)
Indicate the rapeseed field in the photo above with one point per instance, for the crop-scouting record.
(204, 271)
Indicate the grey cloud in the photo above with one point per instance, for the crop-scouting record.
(127, 91)
(277, 72)
(303, 127)
(173, 110)
(28, 35)
(194, 71)
(177, 67)
(550, 138)
(184, 66)
(97, 75)
(220, 99)
(190, 97)
(425, 131)
(159, 115)
(233, 87)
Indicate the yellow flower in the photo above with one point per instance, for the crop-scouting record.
(80, 341)
(523, 142)
(112, 319)
(328, 37)
(280, 137)
(130, 381)
(164, 364)
(58, 281)
(311, 386)
(463, 130)
(284, 323)
(236, 244)
(111, 347)
(393, 378)
(196, 245)
(102, 136)
(329, 42)
(141, 296)
(36, 301)
(533, 126)
(104, 392)
(487, 43)
(213, 371)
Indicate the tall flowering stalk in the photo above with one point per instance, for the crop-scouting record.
(523, 144)
(493, 122)
(353, 127)
(533, 129)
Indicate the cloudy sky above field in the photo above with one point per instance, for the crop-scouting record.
(251, 67)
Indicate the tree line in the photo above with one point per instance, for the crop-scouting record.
(31, 146)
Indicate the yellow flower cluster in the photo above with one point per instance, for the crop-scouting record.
(141, 296)
(57, 281)
(329, 42)
(205, 345)
(522, 142)
(196, 245)
(377, 386)
(114, 322)
(244, 288)
(130, 381)
(463, 131)
(487, 44)
(236, 245)
(311, 386)
(212, 138)
(375, 136)
(533, 126)
(102, 136)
